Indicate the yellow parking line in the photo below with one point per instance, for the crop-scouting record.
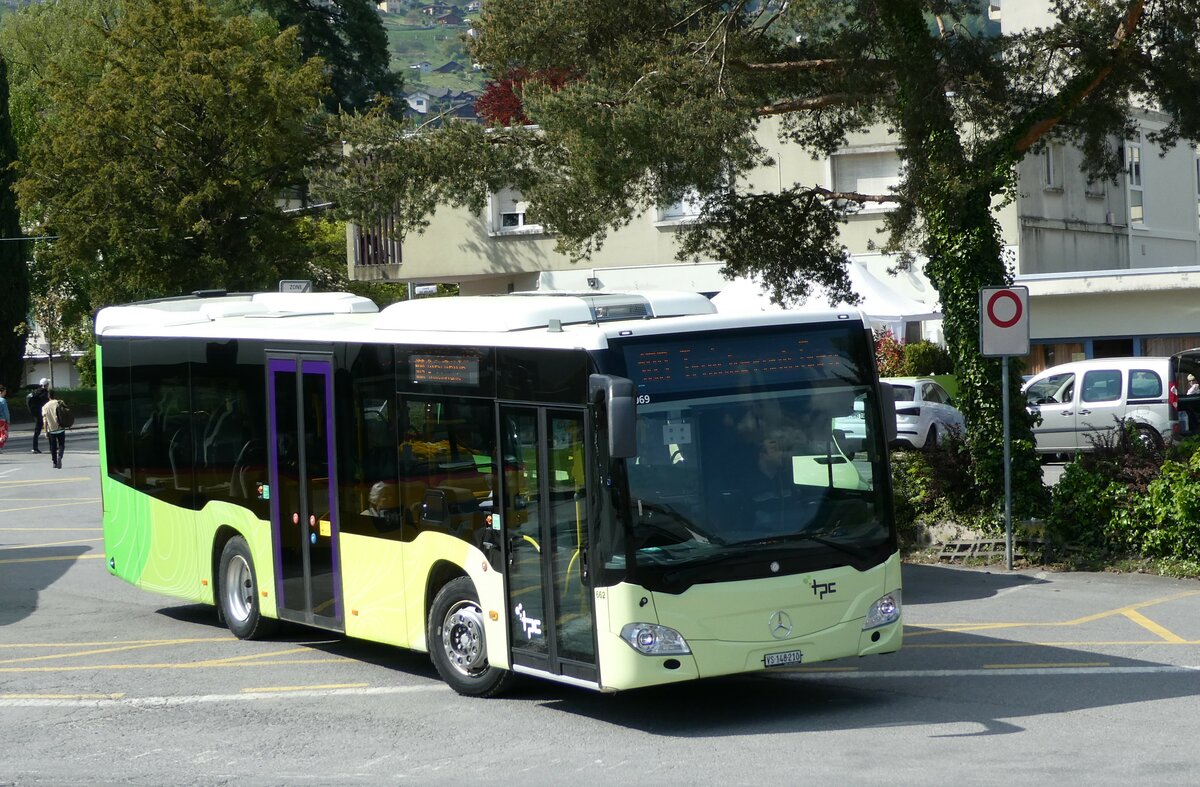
(75, 654)
(252, 657)
(943, 628)
(181, 641)
(1150, 625)
(52, 557)
(168, 666)
(52, 544)
(306, 688)
(50, 505)
(1049, 665)
(49, 529)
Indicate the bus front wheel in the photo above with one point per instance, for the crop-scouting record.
(457, 645)
(238, 591)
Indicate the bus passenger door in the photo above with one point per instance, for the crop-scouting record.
(545, 520)
(303, 489)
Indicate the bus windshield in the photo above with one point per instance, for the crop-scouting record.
(749, 446)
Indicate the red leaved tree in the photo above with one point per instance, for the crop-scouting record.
(501, 104)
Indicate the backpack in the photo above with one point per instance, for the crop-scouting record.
(66, 418)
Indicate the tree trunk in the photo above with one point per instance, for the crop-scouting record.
(964, 252)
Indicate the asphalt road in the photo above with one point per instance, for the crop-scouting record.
(1005, 678)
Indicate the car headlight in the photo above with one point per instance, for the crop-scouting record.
(885, 610)
(654, 640)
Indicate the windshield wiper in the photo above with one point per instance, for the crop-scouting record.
(783, 538)
(697, 533)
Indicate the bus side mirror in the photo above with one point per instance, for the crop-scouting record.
(617, 394)
(888, 402)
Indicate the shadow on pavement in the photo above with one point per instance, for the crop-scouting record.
(21, 582)
(329, 642)
(934, 584)
(796, 702)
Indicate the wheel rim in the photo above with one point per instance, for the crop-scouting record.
(462, 638)
(239, 589)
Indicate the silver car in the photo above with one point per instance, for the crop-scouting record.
(925, 413)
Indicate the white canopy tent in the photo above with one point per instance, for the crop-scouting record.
(886, 306)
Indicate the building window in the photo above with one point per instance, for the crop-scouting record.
(686, 209)
(1052, 168)
(511, 213)
(377, 243)
(867, 172)
(1137, 209)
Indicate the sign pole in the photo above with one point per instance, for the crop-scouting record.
(1003, 333)
(1008, 534)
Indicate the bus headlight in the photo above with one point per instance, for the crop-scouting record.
(655, 640)
(884, 611)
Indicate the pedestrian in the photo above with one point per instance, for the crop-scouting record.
(56, 434)
(36, 401)
(5, 416)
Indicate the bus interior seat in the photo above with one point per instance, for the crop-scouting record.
(247, 470)
(412, 499)
(452, 507)
(179, 454)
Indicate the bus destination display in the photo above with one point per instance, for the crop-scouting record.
(444, 369)
(710, 364)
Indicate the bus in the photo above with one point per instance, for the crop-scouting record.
(607, 490)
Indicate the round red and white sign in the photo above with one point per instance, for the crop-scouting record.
(1004, 321)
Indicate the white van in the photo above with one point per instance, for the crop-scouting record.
(1080, 400)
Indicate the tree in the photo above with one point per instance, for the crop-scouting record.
(666, 97)
(349, 37)
(160, 174)
(14, 306)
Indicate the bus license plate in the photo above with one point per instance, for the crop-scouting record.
(782, 659)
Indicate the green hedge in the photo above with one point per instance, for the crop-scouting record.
(81, 400)
(1124, 501)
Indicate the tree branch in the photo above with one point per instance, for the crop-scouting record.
(852, 196)
(806, 65)
(802, 104)
(1068, 99)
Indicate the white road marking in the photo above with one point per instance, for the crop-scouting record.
(164, 702)
(1006, 671)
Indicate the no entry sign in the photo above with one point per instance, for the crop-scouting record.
(1004, 321)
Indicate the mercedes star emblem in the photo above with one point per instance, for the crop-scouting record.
(780, 625)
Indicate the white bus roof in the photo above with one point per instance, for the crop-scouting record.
(560, 320)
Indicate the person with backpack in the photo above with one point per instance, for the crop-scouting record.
(56, 432)
(36, 401)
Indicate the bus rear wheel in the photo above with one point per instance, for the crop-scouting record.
(238, 591)
(457, 645)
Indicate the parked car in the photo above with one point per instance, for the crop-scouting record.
(853, 426)
(1080, 401)
(925, 413)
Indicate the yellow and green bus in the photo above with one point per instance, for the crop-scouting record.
(606, 490)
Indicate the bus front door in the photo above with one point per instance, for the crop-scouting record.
(303, 489)
(550, 613)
